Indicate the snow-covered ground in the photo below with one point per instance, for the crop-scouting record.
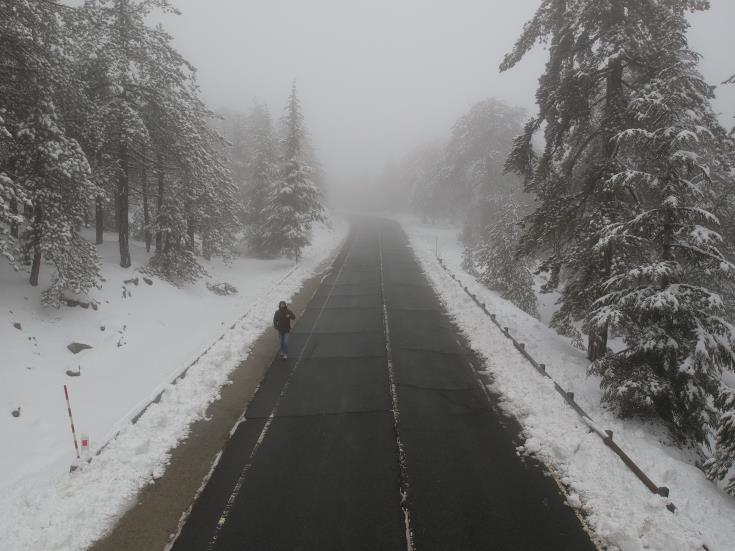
(142, 336)
(618, 507)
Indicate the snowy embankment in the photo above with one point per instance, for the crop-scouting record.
(618, 507)
(142, 336)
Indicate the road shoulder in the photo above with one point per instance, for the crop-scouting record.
(154, 518)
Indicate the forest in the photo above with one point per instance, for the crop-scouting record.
(102, 126)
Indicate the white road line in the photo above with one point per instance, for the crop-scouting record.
(224, 517)
(403, 467)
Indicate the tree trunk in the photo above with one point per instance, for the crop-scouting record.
(190, 232)
(613, 122)
(123, 195)
(36, 264)
(99, 221)
(206, 248)
(146, 210)
(14, 225)
(159, 201)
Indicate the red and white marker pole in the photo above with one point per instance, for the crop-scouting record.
(71, 420)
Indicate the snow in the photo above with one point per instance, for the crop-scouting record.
(617, 506)
(151, 333)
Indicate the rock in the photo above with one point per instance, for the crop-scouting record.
(148, 281)
(94, 306)
(76, 373)
(84, 305)
(77, 347)
(102, 327)
(15, 412)
(134, 281)
(18, 326)
(71, 302)
(222, 289)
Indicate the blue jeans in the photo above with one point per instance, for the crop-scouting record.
(284, 344)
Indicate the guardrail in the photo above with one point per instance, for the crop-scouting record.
(605, 435)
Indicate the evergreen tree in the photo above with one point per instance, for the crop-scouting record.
(497, 265)
(158, 131)
(262, 173)
(127, 58)
(55, 173)
(601, 52)
(721, 465)
(294, 203)
(621, 184)
(196, 196)
(677, 341)
(44, 175)
(473, 173)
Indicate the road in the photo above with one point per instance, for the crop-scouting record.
(377, 433)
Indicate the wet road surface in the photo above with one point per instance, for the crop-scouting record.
(376, 433)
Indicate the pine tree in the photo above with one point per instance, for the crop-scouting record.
(55, 173)
(262, 173)
(623, 184)
(195, 196)
(721, 465)
(126, 59)
(498, 266)
(44, 174)
(600, 52)
(473, 172)
(294, 201)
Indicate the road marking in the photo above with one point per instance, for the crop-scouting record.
(403, 467)
(224, 517)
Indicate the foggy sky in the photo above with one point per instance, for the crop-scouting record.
(380, 77)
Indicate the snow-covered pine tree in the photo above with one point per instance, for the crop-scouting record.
(216, 205)
(498, 266)
(295, 203)
(12, 197)
(26, 68)
(55, 173)
(175, 260)
(44, 175)
(677, 342)
(473, 165)
(721, 466)
(126, 59)
(195, 193)
(262, 171)
(600, 51)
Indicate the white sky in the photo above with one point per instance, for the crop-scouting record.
(377, 78)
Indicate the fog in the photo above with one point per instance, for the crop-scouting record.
(378, 78)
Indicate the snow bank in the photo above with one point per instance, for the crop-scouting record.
(142, 337)
(617, 505)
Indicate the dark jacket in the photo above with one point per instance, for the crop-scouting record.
(282, 320)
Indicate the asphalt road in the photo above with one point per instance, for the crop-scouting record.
(376, 433)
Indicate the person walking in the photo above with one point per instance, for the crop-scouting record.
(282, 322)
